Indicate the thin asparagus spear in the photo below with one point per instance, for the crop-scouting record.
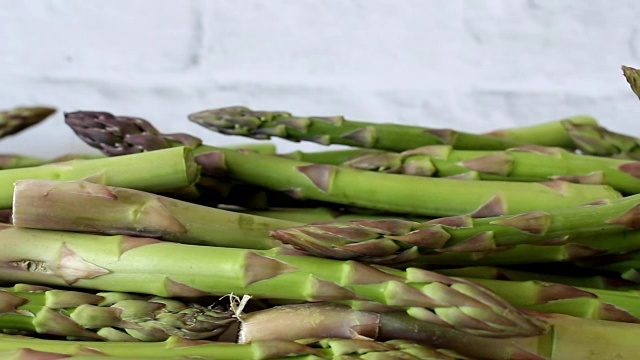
(357, 239)
(174, 348)
(551, 133)
(17, 119)
(107, 315)
(633, 78)
(529, 163)
(570, 338)
(88, 207)
(387, 192)
(164, 170)
(338, 130)
(490, 272)
(144, 265)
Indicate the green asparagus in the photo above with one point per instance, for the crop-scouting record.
(570, 338)
(15, 120)
(178, 348)
(387, 192)
(359, 239)
(327, 130)
(529, 163)
(633, 78)
(145, 265)
(107, 315)
(165, 170)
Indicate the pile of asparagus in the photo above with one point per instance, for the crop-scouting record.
(405, 243)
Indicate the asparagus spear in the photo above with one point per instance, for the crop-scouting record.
(174, 348)
(144, 265)
(327, 130)
(357, 239)
(17, 119)
(164, 170)
(388, 192)
(89, 207)
(570, 338)
(551, 133)
(529, 163)
(107, 315)
(633, 78)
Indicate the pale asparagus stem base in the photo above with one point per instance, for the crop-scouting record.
(338, 130)
(108, 316)
(164, 170)
(527, 164)
(176, 348)
(89, 207)
(143, 265)
(570, 338)
(374, 240)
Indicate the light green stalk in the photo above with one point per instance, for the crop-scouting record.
(174, 348)
(570, 337)
(88, 207)
(592, 281)
(144, 265)
(338, 130)
(15, 120)
(160, 171)
(366, 239)
(109, 316)
(528, 163)
(551, 133)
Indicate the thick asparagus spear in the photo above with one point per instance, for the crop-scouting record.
(107, 315)
(165, 170)
(570, 338)
(144, 265)
(338, 130)
(529, 163)
(551, 133)
(89, 207)
(388, 192)
(177, 348)
(15, 120)
(357, 239)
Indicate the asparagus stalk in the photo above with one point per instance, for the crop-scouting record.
(88, 207)
(17, 119)
(358, 239)
(174, 348)
(570, 338)
(338, 130)
(164, 170)
(145, 265)
(497, 273)
(107, 315)
(529, 163)
(387, 192)
(551, 133)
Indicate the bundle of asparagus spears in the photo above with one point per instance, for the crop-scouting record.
(405, 243)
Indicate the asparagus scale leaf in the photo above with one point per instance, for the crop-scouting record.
(145, 265)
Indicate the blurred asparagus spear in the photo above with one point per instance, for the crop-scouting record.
(15, 120)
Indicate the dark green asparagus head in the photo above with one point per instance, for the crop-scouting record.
(633, 78)
(15, 120)
(120, 135)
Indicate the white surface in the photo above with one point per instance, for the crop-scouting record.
(472, 65)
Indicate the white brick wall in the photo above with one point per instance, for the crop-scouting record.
(472, 65)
